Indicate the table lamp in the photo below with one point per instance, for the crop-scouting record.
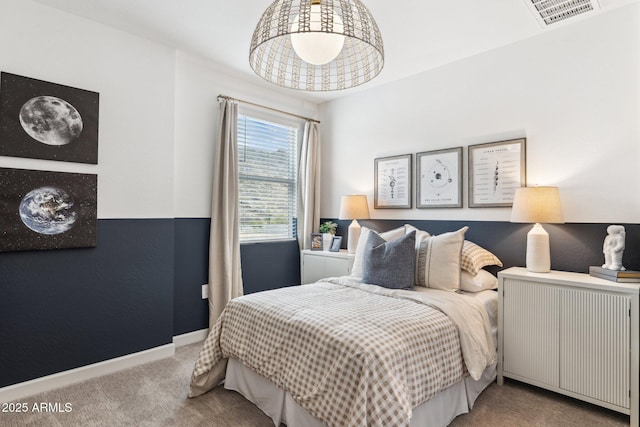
(537, 205)
(353, 207)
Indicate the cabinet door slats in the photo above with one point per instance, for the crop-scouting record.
(531, 331)
(594, 348)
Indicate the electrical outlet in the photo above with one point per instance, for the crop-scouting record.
(205, 291)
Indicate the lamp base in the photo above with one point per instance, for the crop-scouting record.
(354, 236)
(538, 254)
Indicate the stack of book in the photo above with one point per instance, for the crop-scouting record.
(626, 276)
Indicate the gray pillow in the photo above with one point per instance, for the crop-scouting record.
(389, 264)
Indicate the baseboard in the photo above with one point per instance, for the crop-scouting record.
(190, 337)
(61, 379)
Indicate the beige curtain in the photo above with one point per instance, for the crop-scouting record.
(225, 273)
(309, 184)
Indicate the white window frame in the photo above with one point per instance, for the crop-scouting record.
(283, 120)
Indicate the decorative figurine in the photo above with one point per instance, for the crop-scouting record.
(613, 248)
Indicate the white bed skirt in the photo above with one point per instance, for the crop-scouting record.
(278, 404)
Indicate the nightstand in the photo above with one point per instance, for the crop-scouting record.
(316, 265)
(573, 334)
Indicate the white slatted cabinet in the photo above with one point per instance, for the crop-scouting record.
(573, 334)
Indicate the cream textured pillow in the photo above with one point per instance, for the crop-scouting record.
(438, 261)
(420, 234)
(475, 257)
(356, 270)
(480, 282)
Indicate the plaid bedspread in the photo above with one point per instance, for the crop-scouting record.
(349, 356)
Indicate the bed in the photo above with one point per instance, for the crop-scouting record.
(346, 352)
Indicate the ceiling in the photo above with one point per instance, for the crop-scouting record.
(418, 35)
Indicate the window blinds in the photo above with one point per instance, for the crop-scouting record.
(267, 157)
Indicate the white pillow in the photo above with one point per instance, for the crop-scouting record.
(480, 282)
(438, 261)
(356, 270)
(420, 234)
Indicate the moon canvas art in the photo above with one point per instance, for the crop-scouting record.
(44, 120)
(47, 210)
(50, 120)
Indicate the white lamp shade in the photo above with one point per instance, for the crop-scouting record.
(537, 204)
(354, 207)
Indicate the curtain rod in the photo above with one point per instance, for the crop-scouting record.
(267, 108)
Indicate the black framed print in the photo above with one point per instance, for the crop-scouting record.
(439, 179)
(44, 120)
(496, 169)
(47, 210)
(392, 182)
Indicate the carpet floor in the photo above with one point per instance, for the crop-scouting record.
(155, 395)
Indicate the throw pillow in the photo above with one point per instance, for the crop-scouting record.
(389, 264)
(438, 261)
(475, 257)
(420, 234)
(356, 269)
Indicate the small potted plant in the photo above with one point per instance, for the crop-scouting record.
(328, 230)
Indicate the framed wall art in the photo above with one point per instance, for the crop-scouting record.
(392, 186)
(43, 120)
(47, 210)
(496, 169)
(439, 179)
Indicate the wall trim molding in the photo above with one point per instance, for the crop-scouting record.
(190, 337)
(61, 379)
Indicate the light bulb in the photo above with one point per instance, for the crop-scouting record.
(315, 46)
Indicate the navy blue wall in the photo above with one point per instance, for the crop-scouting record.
(264, 266)
(141, 285)
(574, 247)
(61, 309)
(190, 311)
(270, 265)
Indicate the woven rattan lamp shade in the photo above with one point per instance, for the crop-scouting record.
(273, 57)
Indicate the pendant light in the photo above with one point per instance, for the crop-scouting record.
(317, 45)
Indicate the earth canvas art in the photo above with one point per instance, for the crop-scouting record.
(47, 210)
(43, 120)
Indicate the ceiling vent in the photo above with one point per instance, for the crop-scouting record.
(549, 12)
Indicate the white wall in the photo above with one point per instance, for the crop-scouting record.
(573, 92)
(198, 83)
(134, 78)
(158, 108)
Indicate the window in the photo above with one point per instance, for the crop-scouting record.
(267, 157)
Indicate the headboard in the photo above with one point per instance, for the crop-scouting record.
(574, 246)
